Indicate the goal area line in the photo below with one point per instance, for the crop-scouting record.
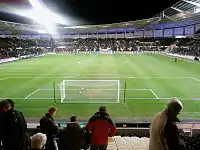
(136, 96)
(39, 89)
(89, 101)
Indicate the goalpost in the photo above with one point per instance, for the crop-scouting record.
(90, 91)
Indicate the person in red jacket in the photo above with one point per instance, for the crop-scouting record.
(102, 127)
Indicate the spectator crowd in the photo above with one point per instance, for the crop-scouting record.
(187, 46)
(121, 44)
(15, 47)
(164, 133)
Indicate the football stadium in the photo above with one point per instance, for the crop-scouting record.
(133, 68)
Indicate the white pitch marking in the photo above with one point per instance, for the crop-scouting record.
(3, 78)
(31, 93)
(195, 79)
(154, 93)
(137, 77)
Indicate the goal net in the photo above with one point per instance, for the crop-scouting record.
(90, 91)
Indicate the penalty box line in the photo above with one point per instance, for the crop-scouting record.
(152, 91)
(1, 79)
(31, 94)
(195, 79)
(126, 77)
(130, 98)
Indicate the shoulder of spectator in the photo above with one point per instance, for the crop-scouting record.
(110, 120)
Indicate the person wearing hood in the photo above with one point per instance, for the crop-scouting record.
(164, 133)
(101, 126)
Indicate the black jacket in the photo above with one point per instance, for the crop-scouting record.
(1, 126)
(71, 137)
(171, 133)
(14, 129)
(48, 127)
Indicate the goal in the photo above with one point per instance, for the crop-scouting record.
(90, 91)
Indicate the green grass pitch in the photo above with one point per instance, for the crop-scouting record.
(156, 78)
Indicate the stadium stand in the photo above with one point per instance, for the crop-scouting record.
(188, 46)
(120, 44)
(15, 47)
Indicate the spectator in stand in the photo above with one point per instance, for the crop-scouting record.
(164, 133)
(48, 127)
(101, 126)
(71, 137)
(2, 106)
(14, 128)
(2, 111)
(38, 141)
(15, 47)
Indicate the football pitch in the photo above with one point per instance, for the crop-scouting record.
(146, 83)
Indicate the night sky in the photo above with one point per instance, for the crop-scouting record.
(101, 11)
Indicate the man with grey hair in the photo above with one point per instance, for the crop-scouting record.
(38, 141)
(164, 134)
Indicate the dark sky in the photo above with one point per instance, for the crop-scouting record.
(105, 11)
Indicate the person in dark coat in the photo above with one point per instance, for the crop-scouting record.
(14, 128)
(101, 126)
(72, 136)
(164, 134)
(48, 127)
(2, 111)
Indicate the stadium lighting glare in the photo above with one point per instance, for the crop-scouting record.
(76, 27)
(40, 17)
(42, 31)
(43, 16)
(46, 13)
(35, 3)
(197, 10)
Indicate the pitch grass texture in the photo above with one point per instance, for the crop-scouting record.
(157, 77)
